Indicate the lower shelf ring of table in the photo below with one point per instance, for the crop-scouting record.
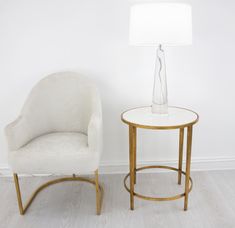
(158, 198)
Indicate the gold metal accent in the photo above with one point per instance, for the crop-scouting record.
(98, 193)
(188, 162)
(99, 190)
(160, 127)
(132, 151)
(159, 198)
(181, 145)
(19, 195)
(132, 159)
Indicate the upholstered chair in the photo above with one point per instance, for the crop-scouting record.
(59, 131)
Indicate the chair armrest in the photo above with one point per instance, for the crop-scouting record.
(17, 133)
(95, 134)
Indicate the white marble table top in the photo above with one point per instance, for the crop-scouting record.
(176, 118)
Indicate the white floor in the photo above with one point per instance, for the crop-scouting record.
(72, 204)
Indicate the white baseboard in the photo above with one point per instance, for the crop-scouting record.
(198, 164)
(4, 170)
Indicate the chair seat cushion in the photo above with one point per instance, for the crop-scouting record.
(55, 153)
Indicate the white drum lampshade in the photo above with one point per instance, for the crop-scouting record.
(160, 24)
(152, 24)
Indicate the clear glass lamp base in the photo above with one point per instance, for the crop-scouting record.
(160, 109)
(159, 100)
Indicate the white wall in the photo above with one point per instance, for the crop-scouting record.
(91, 37)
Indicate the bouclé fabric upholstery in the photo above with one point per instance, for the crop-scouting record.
(59, 130)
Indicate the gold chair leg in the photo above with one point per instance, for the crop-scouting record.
(98, 193)
(23, 209)
(181, 144)
(16, 180)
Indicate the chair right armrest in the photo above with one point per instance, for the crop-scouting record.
(95, 134)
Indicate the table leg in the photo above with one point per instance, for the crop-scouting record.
(132, 151)
(188, 163)
(181, 145)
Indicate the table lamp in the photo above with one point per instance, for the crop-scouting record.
(160, 25)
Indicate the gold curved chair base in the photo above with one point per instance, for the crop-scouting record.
(158, 198)
(99, 190)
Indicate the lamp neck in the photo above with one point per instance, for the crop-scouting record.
(160, 47)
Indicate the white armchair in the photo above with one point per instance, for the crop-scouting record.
(59, 131)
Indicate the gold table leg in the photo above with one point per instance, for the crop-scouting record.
(181, 145)
(132, 151)
(188, 163)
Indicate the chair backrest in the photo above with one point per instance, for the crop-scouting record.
(60, 102)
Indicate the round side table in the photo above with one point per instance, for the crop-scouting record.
(177, 118)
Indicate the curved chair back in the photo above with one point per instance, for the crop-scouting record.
(60, 102)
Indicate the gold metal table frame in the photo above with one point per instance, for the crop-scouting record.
(132, 159)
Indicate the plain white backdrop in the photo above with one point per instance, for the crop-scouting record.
(91, 37)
